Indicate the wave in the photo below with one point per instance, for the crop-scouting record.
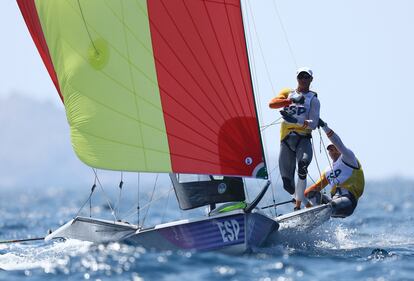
(46, 256)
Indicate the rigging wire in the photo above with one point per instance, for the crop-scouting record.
(104, 193)
(88, 200)
(260, 48)
(166, 205)
(121, 183)
(90, 197)
(253, 68)
(246, 190)
(285, 33)
(250, 39)
(277, 121)
(273, 192)
(322, 144)
(138, 206)
(131, 211)
(327, 156)
(316, 158)
(150, 200)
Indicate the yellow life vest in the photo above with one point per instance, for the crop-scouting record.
(344, 176)
(301, 112)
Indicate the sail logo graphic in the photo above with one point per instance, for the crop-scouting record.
(229, 230)
(222, 187)
(333, 176)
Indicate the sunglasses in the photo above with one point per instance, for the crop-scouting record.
(304, 75)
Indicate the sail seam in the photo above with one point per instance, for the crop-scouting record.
(224, 58)
(189, 73)
(121, 113)
(182, 86)
(212, 62)
(241, 76)
(221, 52)
(155, 83)
(148, 125)
(155, 150)
(195, 57)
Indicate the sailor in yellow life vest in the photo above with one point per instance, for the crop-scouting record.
(345, 176)
(301, 114)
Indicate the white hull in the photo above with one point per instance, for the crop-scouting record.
(300, 222)
(233, 232)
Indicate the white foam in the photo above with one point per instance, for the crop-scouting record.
(22, 257)
(339, 237)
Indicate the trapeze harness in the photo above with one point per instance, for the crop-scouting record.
(301, 113)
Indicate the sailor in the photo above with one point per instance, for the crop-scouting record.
(345, 176)
(301, 114)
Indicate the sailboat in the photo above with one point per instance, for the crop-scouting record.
(163, 87)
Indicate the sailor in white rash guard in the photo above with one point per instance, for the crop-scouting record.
(301, 114)
(345, 177)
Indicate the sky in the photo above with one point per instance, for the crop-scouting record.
(361, 53)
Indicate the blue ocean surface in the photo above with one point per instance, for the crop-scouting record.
(376, 243)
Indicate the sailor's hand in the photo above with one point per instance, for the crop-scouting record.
(287, 117)
(321, 123)
(297, 98)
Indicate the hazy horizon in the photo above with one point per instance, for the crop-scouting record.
(360, 52)
(37, 152)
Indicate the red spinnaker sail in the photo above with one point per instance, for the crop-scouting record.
(202, 104)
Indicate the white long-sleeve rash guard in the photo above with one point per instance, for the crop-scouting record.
(347, 155)
(312, 122)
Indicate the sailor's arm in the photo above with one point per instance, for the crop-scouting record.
(347, 155)
(281, 100)
(320, 184)
(314, 110)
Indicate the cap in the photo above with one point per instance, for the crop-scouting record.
(304, 69)
(329, 145)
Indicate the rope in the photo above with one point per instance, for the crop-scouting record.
(276, 122)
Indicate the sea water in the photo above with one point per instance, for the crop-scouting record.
(375, 243)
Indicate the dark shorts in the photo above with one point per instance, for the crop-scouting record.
(343, 203)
